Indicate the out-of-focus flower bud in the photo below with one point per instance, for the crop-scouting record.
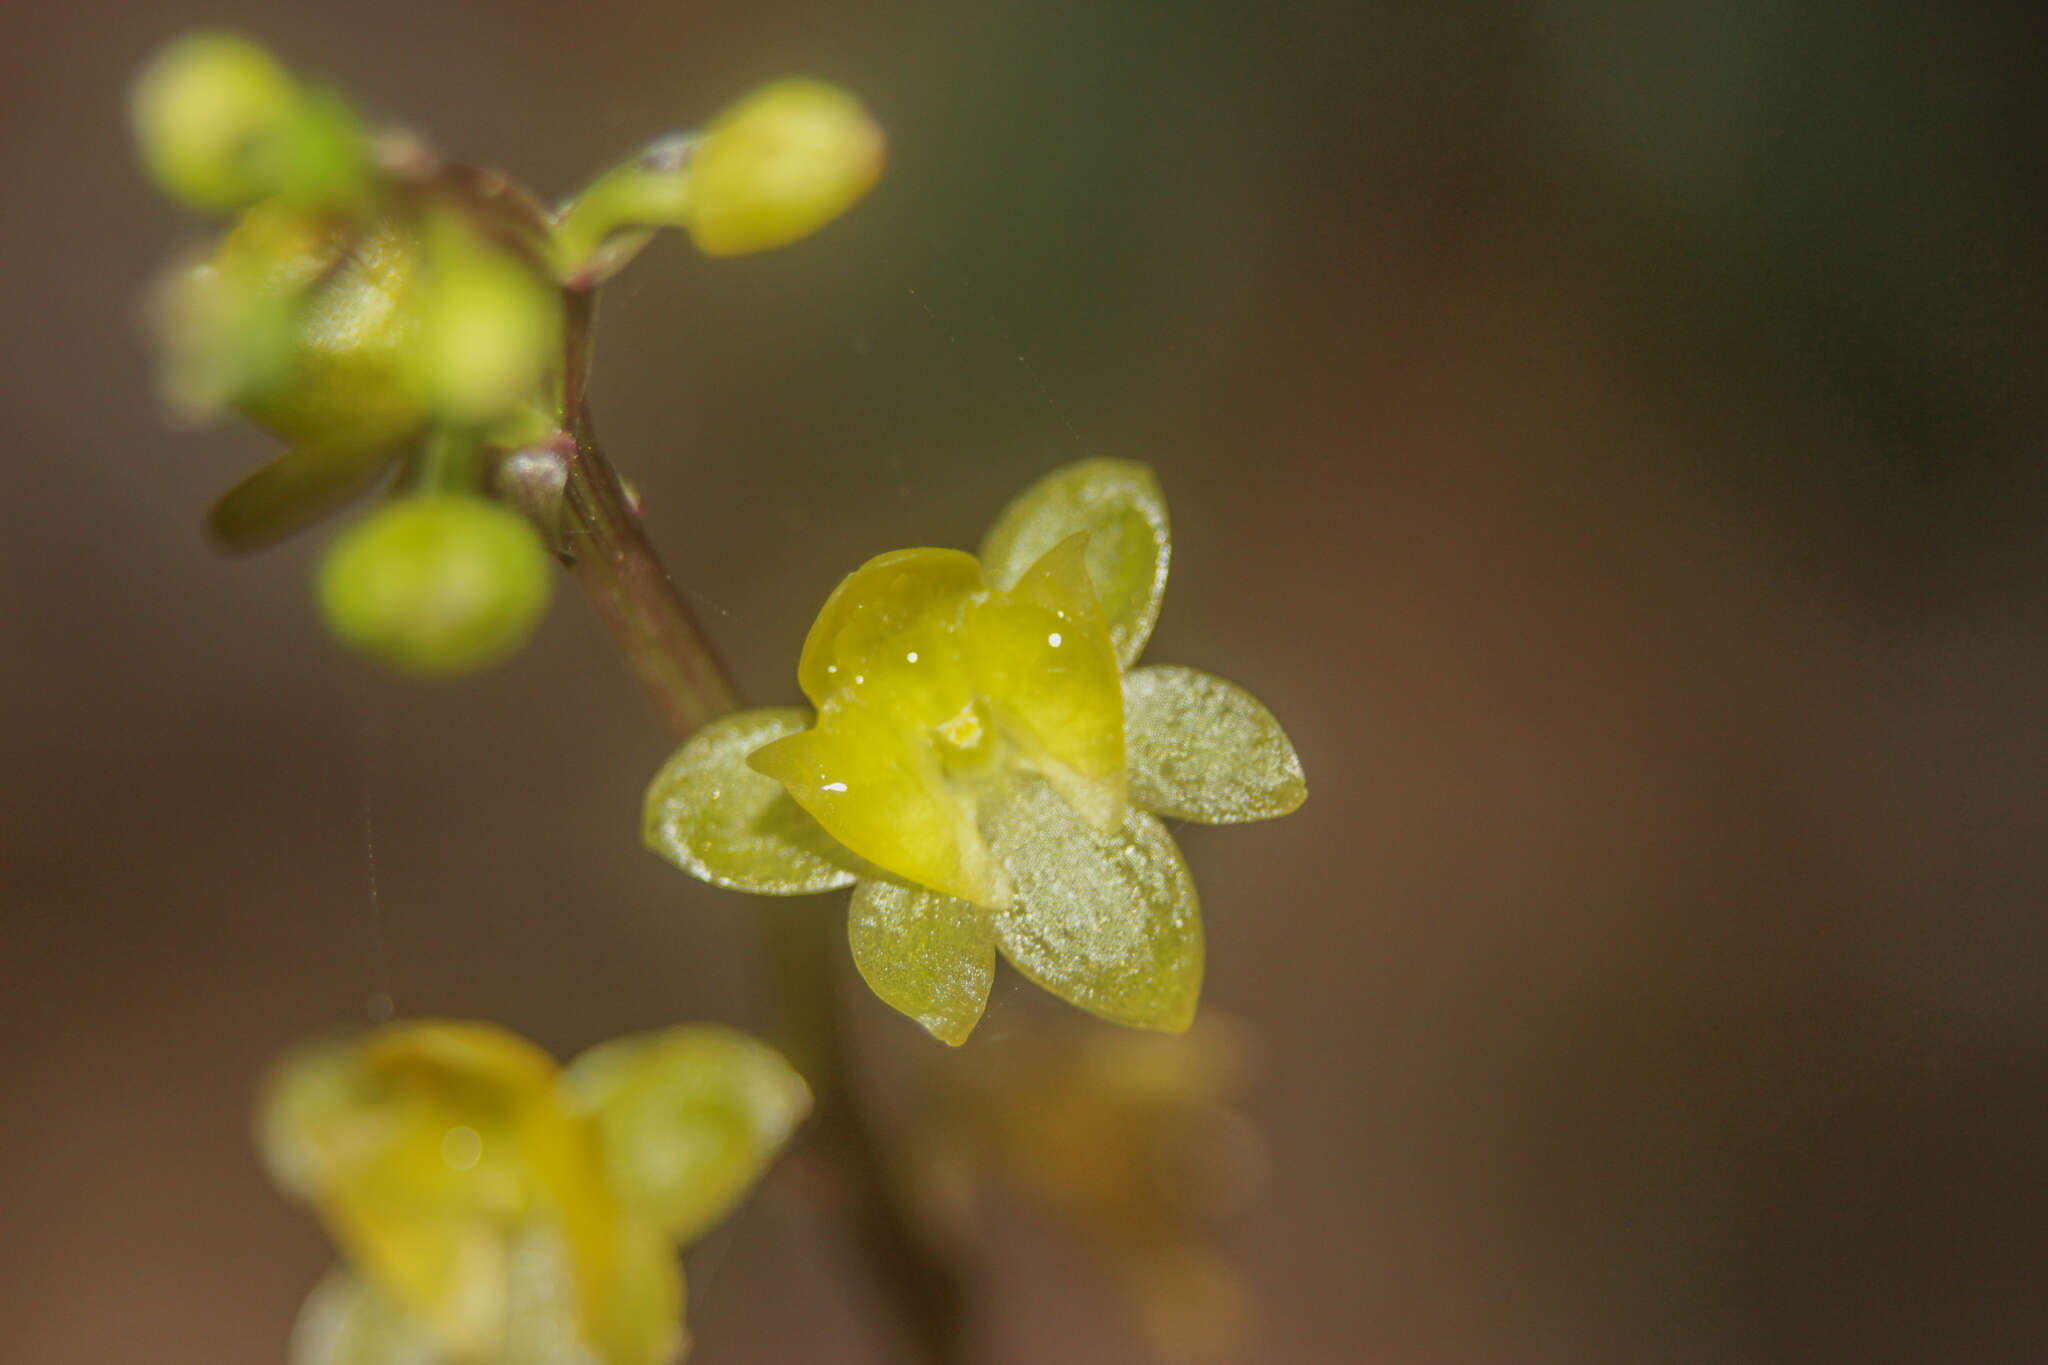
(780, 164)
(309, 324)
(438, 584)
(492, 328)
(222, 124)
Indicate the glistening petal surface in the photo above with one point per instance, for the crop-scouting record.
(1204, 749)
(1108, 922)
(929, 956)
(878, 789)
(1119, 505)
(1045, 665)
(715, 817)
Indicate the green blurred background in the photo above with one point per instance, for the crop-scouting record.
(1610, 436)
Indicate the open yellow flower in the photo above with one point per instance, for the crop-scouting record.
(491, 1205)
(987, 768)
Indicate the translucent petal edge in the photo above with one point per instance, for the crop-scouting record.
(762, 861)
(1201, 748)
(1088, 496)
(347, 1321)
(947, 937)
(1072, 882)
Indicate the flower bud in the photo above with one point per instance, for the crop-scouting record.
(221, 125)
(307, 323)
(779, 165)
(438, 584)
(492, 326)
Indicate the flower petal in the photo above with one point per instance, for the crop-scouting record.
(346, 1321)
(1108, 922)
(1045, 663)
(879, 790)
(1200, 748)
(1119, 504)
(929, 956)
(716, 818)
(888, 594)
(642, 1315)
(689, 1118)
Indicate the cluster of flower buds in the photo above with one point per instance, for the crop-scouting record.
(378, 309)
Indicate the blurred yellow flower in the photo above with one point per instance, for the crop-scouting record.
(488, 1202)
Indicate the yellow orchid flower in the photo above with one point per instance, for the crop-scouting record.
(987, 769)
(490, 1203)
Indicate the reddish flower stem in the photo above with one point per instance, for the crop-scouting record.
(666, 650)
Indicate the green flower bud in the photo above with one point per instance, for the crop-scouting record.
(309, 324)
(436, 585)
(221, 125)
(493, 326)
(779, 165)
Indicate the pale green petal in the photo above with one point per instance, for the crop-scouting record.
(542, 1326)
(1108, 922)
(689, 1118)
(930, 956)
(346, 1321)
(1119, 504)
(714, 817)
(638, 1321)
(1200, 748)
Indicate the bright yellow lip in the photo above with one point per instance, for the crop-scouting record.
(930, 686)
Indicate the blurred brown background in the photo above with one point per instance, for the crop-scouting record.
(1609, 434)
